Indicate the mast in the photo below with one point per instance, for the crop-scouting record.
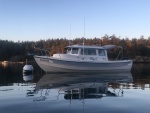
(84, 32)
(70, 35)
(83, 38)
(70, 31)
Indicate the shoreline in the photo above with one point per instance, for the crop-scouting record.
(10, 62)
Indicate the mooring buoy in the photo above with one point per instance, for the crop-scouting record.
(27, 72)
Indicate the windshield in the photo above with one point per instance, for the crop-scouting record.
(74, 50)
(68, 50)
(101, 52)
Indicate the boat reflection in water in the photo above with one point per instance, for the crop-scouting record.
(83, 86)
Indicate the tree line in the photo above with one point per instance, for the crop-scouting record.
(137, 49)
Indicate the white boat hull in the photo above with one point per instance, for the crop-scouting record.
(49, 64)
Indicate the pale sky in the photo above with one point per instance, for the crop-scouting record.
(32, 20)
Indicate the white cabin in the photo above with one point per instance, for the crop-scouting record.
(84, 53)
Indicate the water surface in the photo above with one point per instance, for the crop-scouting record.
(126, 92)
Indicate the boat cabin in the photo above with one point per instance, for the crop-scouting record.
(86, 53)
(86, 50)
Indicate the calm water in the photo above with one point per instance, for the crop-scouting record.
(74, 93)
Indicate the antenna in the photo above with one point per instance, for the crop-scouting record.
(70, 35)
(83, 37)
(84, 31)
(70, 31)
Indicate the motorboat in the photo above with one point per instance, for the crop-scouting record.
(83, 58)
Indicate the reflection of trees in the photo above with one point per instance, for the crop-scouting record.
(9, 74)
(13, 73)
(141, 75)
(141, 69)
(142, 83)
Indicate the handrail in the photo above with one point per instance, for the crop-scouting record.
(119, 53)
(42, 51)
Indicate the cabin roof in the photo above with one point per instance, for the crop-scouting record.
(85, 46)
(95, 47)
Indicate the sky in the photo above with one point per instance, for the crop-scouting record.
(34, 20)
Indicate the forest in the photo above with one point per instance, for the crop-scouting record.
(136, 49)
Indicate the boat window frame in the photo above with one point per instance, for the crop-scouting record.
(102, 54)
(87, 51)
(77, 52)
(68, 51)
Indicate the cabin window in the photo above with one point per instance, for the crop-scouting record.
(89, 51)
(101, 52)
(74, 50)
(68, 50)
